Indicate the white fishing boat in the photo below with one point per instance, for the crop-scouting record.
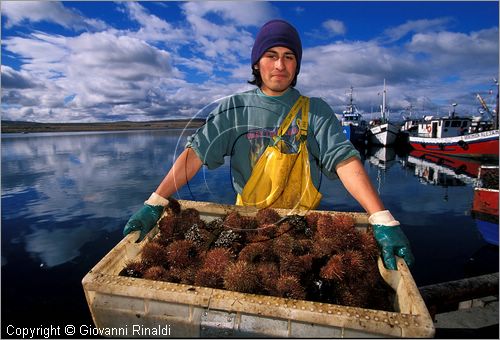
(383, 132)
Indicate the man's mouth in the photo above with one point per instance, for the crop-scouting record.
(280, 76)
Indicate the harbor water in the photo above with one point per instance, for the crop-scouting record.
(67, 196)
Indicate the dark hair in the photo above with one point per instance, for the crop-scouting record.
(257, 79)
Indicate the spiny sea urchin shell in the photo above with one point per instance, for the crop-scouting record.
(214, 265)
(240, 277)
(173, 207)
(154, 254)
(267, 273)
(255, 252)
(334, 269)
(182, 254)
(295, 265)
(158, 273)
(288, 286)
(267, 216)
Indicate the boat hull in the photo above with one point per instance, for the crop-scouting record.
(384, 134)
(489, 231)
(356, 134)
(485, 202)
(483, 144)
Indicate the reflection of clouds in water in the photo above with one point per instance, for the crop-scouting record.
(55, 247)
(100, 175)
(68, 179)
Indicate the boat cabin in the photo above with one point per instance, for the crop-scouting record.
(443, 127)
(411, 126)
(355, 119)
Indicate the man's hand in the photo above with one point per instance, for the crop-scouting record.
(146, 217)
(391, 239)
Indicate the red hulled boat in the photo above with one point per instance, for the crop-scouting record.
(450, 136)
(485, 204)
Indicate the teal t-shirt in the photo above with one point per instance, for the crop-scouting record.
(243, 125)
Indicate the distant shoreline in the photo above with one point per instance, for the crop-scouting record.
(27, 127)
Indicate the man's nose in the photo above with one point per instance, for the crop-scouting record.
(279, 64)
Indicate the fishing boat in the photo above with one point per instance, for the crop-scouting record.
(450, 135)
(460, 136)
(485, 203)
(353, 124)
(381, 131)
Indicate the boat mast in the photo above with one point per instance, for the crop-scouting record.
(495, 117)
(349, 107)
(384, 93)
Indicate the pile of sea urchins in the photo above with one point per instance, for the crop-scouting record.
(316, 257)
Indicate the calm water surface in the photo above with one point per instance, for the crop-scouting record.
(67, 196)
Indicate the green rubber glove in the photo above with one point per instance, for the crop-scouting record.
(390, 238)
(144, 220)
(392, 241)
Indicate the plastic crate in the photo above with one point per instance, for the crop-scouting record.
(132, 307)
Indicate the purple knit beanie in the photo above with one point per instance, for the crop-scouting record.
(277, 33)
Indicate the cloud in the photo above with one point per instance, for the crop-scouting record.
(331, 69)
(152, 28)
(334, 27)
(240, 13)
(19, 12)
(98, 70)
(450, 46)
(166, 68)
(227, 41)
(12, 79)
(47, 246)
(418, 72)
(416, 26)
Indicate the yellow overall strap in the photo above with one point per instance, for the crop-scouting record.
(291, 115)
(303, 122)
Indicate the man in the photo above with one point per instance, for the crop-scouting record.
(253, 125)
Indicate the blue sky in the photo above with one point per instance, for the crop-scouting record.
(83, 61)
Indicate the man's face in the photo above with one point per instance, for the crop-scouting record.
(277, 68)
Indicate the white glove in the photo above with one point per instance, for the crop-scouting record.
(156, 199)
(383, 217)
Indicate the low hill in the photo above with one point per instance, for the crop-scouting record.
(25, 127)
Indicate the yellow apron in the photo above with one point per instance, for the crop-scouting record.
(281, 180)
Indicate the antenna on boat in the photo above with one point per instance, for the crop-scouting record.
(350, 106)
(495, 117)
(383, 107)
(453, 112)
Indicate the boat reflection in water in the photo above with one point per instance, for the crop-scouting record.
(485, 203)
(443, 170)
(448, 171)
(382, 157)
